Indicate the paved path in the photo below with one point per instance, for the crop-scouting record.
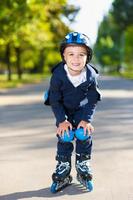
(27, 145)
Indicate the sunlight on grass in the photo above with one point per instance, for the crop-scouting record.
(26, 79)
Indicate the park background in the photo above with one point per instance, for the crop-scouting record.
(31, 32)
(30, 35)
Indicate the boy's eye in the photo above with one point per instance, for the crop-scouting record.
(70, 54)
(82, 54)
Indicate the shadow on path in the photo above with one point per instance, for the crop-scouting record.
(74, 189)
(115, 83)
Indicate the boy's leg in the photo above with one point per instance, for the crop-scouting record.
(83, 156)
(84, 146)
(64, 148)
(83, 149)
(63, 167)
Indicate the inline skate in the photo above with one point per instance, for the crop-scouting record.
(84, 173)
(61, 177)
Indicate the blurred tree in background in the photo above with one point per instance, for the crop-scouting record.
(114, 45)
(30, 29)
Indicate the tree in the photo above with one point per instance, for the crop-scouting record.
(123, 13)
(106, 50)
(112, 47)
(11, 15)
(129, 47)
(35, 27)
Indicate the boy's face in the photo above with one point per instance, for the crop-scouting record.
(75, 57)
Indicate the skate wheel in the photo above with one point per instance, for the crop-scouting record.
(89, 185)
(53, 188)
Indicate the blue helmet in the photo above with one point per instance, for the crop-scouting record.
(77, 39)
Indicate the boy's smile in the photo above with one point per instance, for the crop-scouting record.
(75, 57)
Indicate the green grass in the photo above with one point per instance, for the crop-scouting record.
(126, 75)
(37, 78)
(26, 79)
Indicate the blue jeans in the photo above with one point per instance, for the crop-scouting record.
(82, 147)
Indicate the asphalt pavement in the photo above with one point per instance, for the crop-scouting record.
(28, 145)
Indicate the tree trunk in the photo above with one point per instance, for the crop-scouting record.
(7, 58)
(41, 61)
(19, 71)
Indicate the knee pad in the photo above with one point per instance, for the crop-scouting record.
(79, 133)
(67, 137)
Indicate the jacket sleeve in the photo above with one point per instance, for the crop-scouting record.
(56, 99)
(93, 96)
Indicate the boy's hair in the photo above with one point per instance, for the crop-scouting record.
(75, 38)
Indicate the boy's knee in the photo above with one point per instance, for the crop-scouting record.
(67, 137)
(80, 135)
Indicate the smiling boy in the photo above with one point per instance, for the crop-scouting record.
(73, 98)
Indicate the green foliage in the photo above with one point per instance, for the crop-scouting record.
(114, 45)
(30, 30)
(107, 53)
(129, 46)
(123, 13)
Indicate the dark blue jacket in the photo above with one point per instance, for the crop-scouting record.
(67, 100)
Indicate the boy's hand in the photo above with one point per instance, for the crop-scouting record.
(86, 126)
(64, 126)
